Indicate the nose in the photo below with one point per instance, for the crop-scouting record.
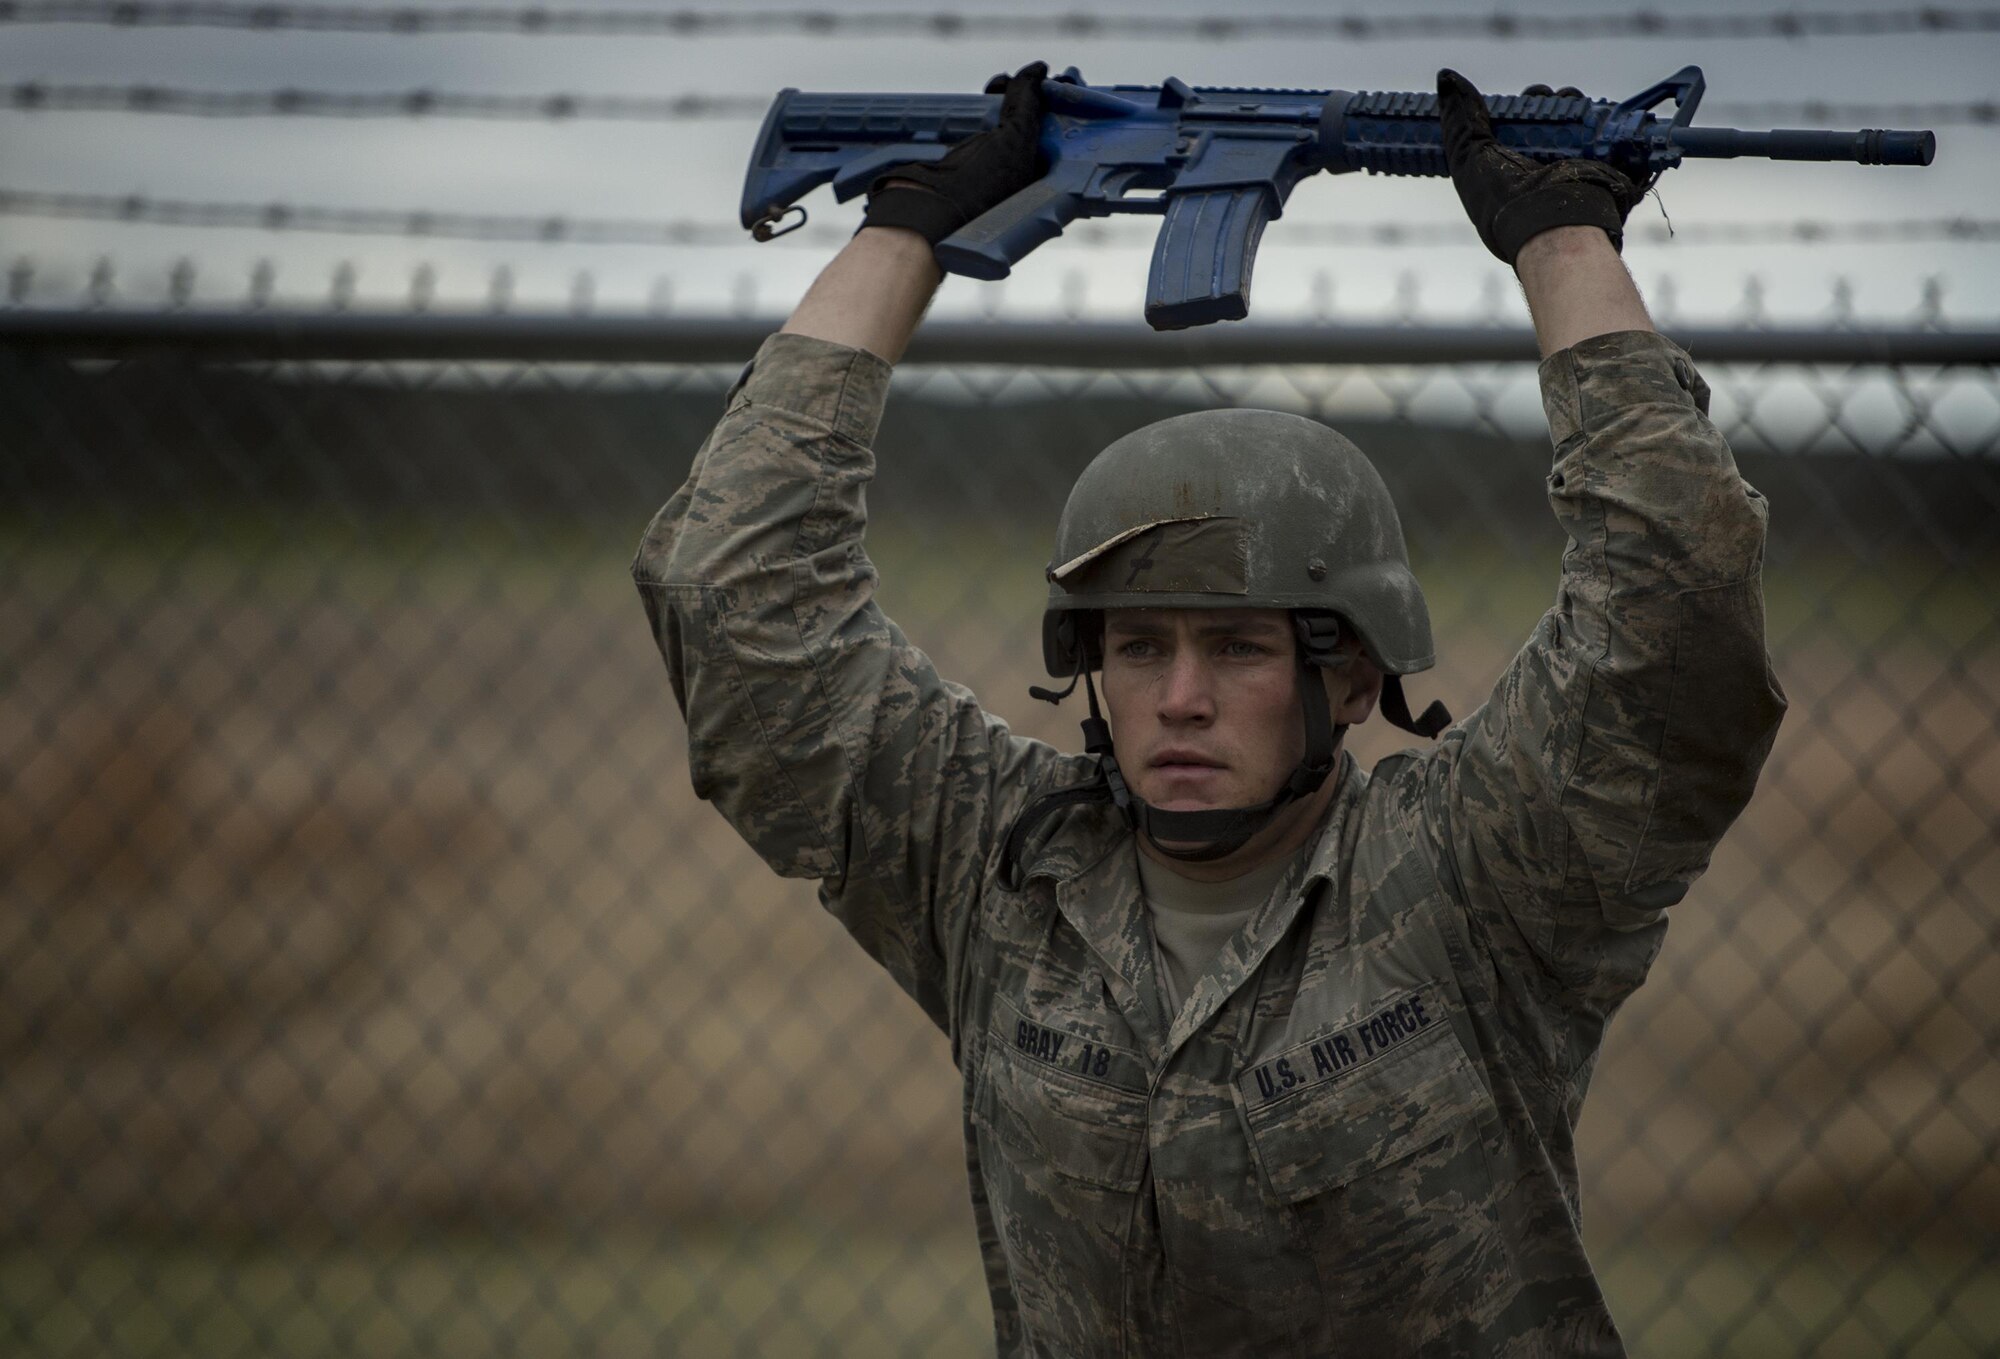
(1186, 692)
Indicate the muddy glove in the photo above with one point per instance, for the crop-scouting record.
(1512, 199)
(936, 199)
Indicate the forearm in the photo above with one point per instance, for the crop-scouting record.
(1628, 732)
(1577, 288)
(872, 295)
(753, 565)
(1660, 611)
(829, 742)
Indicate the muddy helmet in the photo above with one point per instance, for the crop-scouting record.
(1234, 509)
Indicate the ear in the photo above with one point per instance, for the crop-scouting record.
(1364, 687)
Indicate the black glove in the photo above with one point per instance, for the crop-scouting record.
(1512, 199)
(936, 199)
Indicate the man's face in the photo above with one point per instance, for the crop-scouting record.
(1204, 704)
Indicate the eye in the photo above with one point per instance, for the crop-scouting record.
(1239, 649)
(1137, 649)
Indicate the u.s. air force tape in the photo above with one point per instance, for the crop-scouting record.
(1340, 1051)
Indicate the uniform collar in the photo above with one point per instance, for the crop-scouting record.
(1079, 838)
(1243, 954)
(1088, 860)
(1323, 863)
(1102, 903)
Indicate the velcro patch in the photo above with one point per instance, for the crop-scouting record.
(1209, 556)
(1334, 1054)
(1049, 1046)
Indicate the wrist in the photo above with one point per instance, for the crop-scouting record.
(1577, 287)
(929, 215)
(873, 294)
(899, 244)
(1562, 247)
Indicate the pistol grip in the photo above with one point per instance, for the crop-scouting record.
(1202, 259)
(991, 244)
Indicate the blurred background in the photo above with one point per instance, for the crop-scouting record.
(371, 980)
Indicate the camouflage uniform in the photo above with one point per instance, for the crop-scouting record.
(1357, 1135)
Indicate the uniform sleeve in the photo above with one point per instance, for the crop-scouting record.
(828, 741)
(1589, 791)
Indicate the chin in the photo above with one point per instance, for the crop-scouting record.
(1168, 801)
(1186, 804)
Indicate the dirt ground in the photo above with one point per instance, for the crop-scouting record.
(362, 905)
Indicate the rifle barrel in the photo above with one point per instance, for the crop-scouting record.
(1870, 146)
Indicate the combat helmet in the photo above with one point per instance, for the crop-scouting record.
(1236, 509)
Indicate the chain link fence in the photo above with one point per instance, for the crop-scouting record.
(371, 981)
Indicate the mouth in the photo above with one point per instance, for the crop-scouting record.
(1183, 763)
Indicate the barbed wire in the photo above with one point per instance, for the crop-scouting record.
(555, 229)
(423, 102)
(414, 103)
(540, 20)
(559, 229)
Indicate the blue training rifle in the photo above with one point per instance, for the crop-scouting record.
(1220, 163)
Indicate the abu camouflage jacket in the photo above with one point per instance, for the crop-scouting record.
(1357, 1135)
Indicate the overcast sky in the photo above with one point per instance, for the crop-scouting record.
(694, 170)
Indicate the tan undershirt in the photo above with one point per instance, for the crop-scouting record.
(1193, 920)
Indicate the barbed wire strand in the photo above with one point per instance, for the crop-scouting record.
(140, 209)
(414, 103)
(36, 96)
(541, 20)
